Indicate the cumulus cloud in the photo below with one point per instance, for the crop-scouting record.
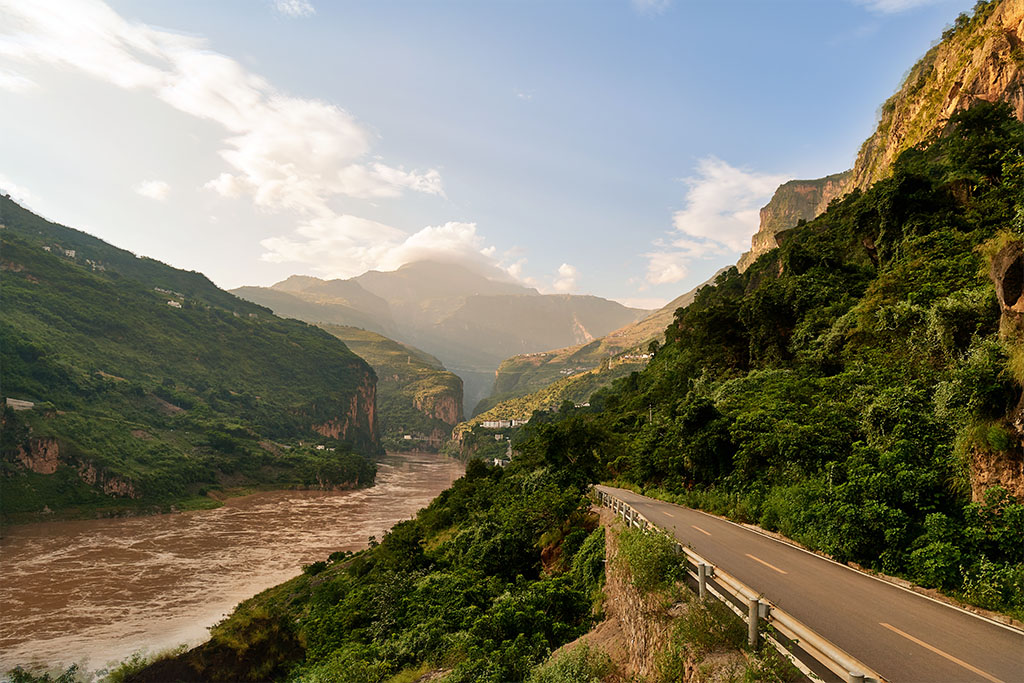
(722, 211)
(153, 189)
(566, 279)
(294, 8)
(286, 152)
(344, 246)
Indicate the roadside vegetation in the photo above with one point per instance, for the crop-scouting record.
(857, 387)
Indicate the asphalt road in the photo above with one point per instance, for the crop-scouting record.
(902, 635)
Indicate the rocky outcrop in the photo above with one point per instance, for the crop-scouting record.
(1000, 468)
(43, 456)
(1007, 273)
(111, 486)
(980, 59)
(792, 202)
(446, 407)
(358, 422)
(40, 455)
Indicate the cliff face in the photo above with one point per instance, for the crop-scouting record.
(446, 407)
(981, 58)
(357, 422)
(793, 201)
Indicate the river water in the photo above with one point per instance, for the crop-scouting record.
(93, 592)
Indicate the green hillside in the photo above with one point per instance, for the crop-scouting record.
(416, 396)
(858, 388)
(151, 385)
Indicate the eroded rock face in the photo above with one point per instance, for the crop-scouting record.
(793, 201)
(359, 418)
(981, 63)
(1004, 469)
(1007, 273)
(42, 455)
(444, 407)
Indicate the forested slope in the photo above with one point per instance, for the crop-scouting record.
(151, 385)
(858, 388)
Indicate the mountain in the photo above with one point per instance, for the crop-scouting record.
(980, 59)
(470, 321)
(416, 396)
(522, 382)
(144, 385)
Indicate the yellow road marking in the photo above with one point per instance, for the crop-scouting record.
(669, 514)
(770, 566)
(700, 530)
(941, 653)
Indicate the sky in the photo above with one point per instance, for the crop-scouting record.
(620, 148)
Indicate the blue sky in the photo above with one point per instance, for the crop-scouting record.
(611, 147)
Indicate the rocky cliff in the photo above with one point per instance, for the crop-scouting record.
(792, 202)
(357, 423)
(979, 58)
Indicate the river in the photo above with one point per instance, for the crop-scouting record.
(94, 592)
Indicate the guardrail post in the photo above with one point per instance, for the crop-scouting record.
(753, 616)
(856, 677)
(702, 580)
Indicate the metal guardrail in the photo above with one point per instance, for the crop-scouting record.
(755, 611)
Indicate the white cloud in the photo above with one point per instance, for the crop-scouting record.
(16, 83)
(17, 192)
(153, 189)
(286, 152)
(294, 8)
(651, 6)
(894, 6)
(345, 246)
(722, 212)
(566, 280)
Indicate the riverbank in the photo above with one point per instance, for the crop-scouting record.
(96, 591)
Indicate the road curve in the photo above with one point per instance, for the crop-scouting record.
(904, 636)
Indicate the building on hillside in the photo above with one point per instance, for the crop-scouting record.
(19, 404)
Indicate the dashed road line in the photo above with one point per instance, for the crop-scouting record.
(770, 566)
(939, 652)
(706, 533)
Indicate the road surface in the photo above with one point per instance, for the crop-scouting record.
(902, 635)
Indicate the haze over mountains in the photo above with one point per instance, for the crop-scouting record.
(469, 321)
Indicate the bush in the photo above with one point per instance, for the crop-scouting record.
(650, 559)
(581, 664)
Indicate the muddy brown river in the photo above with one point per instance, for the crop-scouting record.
(94, 592)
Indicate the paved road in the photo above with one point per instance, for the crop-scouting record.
(902, 635)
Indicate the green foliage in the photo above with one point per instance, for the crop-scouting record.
(471, 584)
(838, 389)
(581, 664)
(166, 399)
(650, 559)
(70, 675)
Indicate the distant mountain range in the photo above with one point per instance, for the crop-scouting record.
(471, 322)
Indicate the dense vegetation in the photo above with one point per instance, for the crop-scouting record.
(416, 396)
(154, 403)
(846, 389)
(484, 583)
